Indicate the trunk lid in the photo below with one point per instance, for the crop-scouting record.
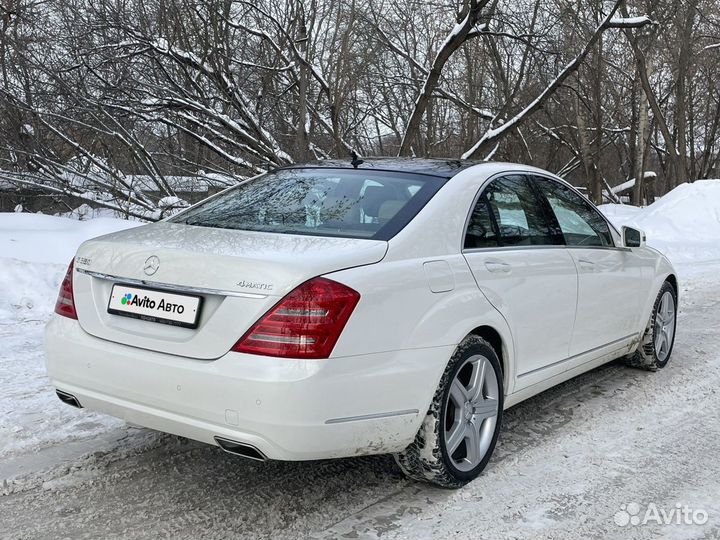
(239, 274)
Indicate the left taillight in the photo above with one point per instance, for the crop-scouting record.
(65, 304)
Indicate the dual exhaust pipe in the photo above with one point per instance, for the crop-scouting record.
(240, 449)
(231, 447)
(68, 399)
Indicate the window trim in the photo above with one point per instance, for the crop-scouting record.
(480, 192)
(547, 176)
(590, 205)
(493, 221)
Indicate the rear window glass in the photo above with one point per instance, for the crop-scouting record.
(350, 203)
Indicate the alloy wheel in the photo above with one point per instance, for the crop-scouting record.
(664, 326)
(471, 413)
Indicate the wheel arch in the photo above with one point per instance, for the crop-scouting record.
(492, 336)
(670, 276)
(499, 345)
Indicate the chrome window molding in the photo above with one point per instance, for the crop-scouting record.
(511, 248)
(546, 176)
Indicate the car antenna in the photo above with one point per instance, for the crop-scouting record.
(356, 161)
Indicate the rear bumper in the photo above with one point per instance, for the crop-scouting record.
(287, 409)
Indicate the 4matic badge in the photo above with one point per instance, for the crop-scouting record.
(255, 285)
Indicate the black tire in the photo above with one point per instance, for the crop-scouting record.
(427, 458)
(646, 356)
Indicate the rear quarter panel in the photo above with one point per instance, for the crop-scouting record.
(399, 312)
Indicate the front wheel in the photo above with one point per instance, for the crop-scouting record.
(459, 432)
(657, 342)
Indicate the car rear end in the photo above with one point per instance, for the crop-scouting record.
(224, 325)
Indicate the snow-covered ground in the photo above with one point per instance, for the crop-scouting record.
(34, 253)
(568, 464)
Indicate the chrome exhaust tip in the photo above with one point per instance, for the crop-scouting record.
(68, 399)
(240, 449)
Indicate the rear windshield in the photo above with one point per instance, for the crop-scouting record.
(350, 203)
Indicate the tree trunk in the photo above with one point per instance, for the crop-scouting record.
(683, 66)
(471, 11)
(639, 159)
(302, 145)
(585, 154)
(597, 95)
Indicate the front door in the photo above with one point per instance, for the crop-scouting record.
(610, 283)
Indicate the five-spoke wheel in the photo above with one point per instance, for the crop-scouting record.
(665, 325)
(458, 434)
(471, 413)
(657, 342)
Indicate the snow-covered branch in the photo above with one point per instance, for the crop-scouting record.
(630, 22)
(457, 36)
(495, 134)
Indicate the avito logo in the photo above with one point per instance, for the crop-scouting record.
(144, 302)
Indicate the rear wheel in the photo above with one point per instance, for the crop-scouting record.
(459, 432)
(657, 342)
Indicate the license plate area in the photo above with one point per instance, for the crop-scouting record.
(155, 305)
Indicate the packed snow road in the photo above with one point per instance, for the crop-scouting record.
(571, 463)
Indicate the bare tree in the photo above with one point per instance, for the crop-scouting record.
(112, 102)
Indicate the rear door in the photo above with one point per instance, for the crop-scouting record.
(610, 280)
(521, 266)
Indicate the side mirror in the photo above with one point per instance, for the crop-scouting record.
(633, 237)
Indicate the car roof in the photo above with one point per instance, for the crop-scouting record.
(442, 167)
(439, 167)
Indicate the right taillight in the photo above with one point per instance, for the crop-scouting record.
(305, 324)
(65, 304)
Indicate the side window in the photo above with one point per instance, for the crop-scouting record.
(580, 223)
(481, 232)
(518, 213)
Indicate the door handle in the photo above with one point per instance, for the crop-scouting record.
(498, 267)
(586, 263)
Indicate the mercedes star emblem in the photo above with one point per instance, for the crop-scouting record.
(151, 265)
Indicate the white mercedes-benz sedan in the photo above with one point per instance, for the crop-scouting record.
(335, 309)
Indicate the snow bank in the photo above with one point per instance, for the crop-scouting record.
(31, 416)
(28, 290)
(684, 224)
(50, 239)
(35, 251)
(620, 214)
